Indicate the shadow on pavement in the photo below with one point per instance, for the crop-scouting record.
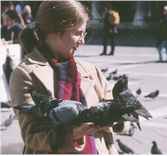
(142, 62)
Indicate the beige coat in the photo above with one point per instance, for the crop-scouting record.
(34, 73)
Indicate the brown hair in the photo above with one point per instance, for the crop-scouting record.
(57, 16)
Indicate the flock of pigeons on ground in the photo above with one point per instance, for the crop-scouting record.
(113, 75)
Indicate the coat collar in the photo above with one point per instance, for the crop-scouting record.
(35, 57)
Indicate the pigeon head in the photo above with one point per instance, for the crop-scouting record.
(127, 99)
(154, 143)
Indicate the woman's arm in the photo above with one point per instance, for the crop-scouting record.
(36, 133)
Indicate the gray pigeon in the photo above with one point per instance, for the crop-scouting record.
(128, 98)
(152, 95)
(123, 95)
(155, 149)
(8, 68)
(114, 72)
(8, 121)
(124, 148)
(5, 105)
(132, 129)
(138, 91)
(104, 70)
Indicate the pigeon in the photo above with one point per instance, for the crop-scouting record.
(152, 95)
(124, 96)
(8, 121)
(120, 152)
(138, 120)
(114, 72)
(155, 149)
(104, 70)
(124, 148)
(138, 91)
(121, 85)
(8, 68)
(118, 127)
(127, 98)
(109, 77)
(113, 76)
(116, 78)
(132, 129)
(5, 105)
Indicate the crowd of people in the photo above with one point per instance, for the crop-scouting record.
(14, 18)
(16, 15)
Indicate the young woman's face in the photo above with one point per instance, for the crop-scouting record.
(65, 44)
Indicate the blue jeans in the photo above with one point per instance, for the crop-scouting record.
(162, 49)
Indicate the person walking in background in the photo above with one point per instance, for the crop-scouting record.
(162, 44)
(5, 6)
(20, 9)
(110, 29)
(11, 27)
(27, 16)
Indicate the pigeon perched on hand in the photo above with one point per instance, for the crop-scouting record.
(124, 96)
(155, 149)
(132, 129)
(124, 147)
(127, 98)
(138, 120)
(152, 95)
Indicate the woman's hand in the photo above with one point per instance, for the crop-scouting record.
(87, 128)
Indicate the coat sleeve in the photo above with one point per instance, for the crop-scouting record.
(103, 87)
(35, 134)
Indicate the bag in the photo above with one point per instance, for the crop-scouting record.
(113, 17)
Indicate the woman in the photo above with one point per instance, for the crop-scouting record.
(50, 68)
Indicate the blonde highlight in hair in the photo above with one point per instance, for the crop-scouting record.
(57, 16)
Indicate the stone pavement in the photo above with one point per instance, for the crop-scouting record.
(143, 70)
